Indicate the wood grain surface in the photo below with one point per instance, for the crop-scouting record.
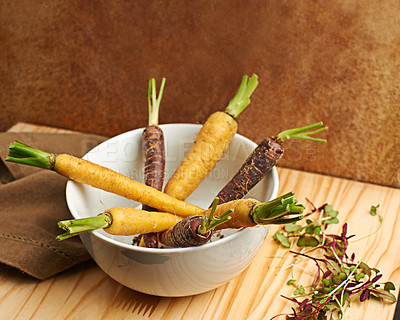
(86, 292)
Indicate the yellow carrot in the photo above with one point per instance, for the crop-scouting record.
(122, 221)
(240, 217)
(212, 141)
(251, 212)
(97, 176)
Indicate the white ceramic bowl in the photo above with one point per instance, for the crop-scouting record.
(176, 271)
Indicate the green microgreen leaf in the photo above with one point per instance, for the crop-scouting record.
(332, 221)
(359, 276)
(330, 212)
(380, 293)
(292, 227)
(365, 268)
(307, 241)
(291, 281)
(389, 286)
(310, 229)
(333, 267)
(282, 239)
(374, 210)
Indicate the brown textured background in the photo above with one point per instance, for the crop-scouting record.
(84, 65)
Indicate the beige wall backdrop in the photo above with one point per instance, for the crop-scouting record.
(85, 65)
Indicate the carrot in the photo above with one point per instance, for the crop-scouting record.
(120, 221)
(194, 230)
(153, 142)
(212, 141)
(251, 212)
(261, 161)
(197, 230)
(154, 151)
(100, 177)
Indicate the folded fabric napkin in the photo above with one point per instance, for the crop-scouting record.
(33, 203)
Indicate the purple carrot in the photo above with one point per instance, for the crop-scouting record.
(194, 230)
(261, 161)
(154, 152)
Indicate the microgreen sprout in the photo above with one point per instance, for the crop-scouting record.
(339, 279)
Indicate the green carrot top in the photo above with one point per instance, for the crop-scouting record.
(24, 154)
(281, 210)
(209, 223)
(154, 101)
(242, 98)
(300, 133)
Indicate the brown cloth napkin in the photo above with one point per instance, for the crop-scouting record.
(33, 203)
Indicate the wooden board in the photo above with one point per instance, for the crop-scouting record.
(85, 292)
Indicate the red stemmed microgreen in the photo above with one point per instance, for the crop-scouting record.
(339, 279)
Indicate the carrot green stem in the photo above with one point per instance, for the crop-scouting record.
(283, 209)
(24, 154)
(242, 98)
(299, 133)
(208, 223)
(154, 101)
(77, 226)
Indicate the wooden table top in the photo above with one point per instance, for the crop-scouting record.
(86, 292)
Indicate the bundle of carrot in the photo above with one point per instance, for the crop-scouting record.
(168, 223)
(261, 161)
(129, 221)
(210, 144)
(194, 230)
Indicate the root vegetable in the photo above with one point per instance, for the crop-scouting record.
(212, 141)
(153, 142)
(251, 212)
(100, 177)
(122, 221)
(154, 152)
(192, 231)
(261, 161)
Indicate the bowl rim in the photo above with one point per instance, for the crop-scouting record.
(116, 243)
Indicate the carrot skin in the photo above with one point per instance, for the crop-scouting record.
(240, 217)
(100, 177)
(150, 240)
(184, 234)
(130, 221)
(212, 141)
(257, 165)
(154, 151)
